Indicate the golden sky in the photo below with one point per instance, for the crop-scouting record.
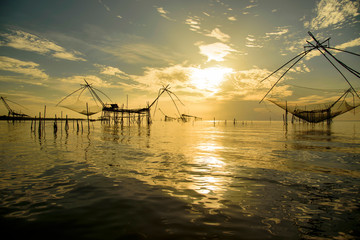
(213, 53)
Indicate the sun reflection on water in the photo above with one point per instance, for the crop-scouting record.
(210, 173)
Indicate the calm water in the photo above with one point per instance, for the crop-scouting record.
(198, 180)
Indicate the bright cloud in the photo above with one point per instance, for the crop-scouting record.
(209, 78)
(333, 12)
(247, 85)
(29, 42)
(112, 71)
(194, 23)
(215, 51)
(251, 42)
(352, 43)
(22, 67)
(343, 46)
(280, 31)
(164, 13)
(176, 74)
(216, 33)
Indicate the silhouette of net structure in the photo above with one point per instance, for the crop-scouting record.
(11, 108)
(87, 105)
(316, 113)
(326, 110)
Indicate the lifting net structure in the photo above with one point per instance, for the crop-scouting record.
(324, 110)
(84, 100)
(316, 113)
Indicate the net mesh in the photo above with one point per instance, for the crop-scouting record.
(316, 113)
(80, 107)
(84, 101)
(327, 108)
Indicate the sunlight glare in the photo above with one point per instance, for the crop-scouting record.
(209, 78)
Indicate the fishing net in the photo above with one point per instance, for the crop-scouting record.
(316, 113)
(321, 109)
(80, 107)
(84, 100)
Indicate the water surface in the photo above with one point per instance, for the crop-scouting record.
(199, 180)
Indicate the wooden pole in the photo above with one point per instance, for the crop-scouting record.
(39, 124)
(87, 113)
(55, 125)
(66, 124)
(286, 114)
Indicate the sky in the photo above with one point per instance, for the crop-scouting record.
(212, 53)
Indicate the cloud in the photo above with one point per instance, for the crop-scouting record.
(112, 71)
(174, 75)
(216, 33)
(164, 13)
(194, 23)
(246, 85)
(251, 42)
(333, 13)
(343, 46)
(215, 51)
(250, 6)
(26, 41)
(206, 14)
(232, 18)
(280, 31)
(22, 67)
(352, 43)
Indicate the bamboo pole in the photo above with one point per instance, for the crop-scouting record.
(55, 125)
(87, 114)
(39, 124)
(66, 124)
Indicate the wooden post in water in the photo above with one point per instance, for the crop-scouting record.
(35, 124)
(122, 118)
(286, 114)
(61, 120)
(39, 124)
(66, 124)
(44, 115)
(55, 125)
(87, 114)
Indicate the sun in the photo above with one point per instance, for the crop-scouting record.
(209, 79)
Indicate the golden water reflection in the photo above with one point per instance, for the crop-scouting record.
(208, 174)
